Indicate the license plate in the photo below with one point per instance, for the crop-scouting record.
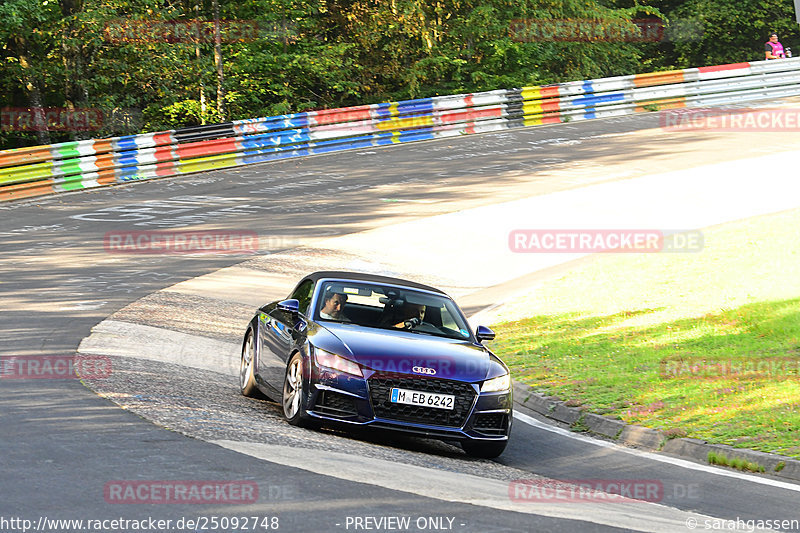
(425, 399)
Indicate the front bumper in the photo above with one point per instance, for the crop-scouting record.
(363, 402)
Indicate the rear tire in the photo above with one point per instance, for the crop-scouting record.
(295, 395)
(484, 449)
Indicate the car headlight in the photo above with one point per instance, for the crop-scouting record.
(336, 362)
(497, 384)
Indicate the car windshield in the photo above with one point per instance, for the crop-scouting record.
(389, 307)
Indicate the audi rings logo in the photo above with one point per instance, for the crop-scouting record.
(424, 370)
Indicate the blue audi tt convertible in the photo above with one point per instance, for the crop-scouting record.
(364, 350)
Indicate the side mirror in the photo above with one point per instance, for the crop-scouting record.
(484, 334)
(289, 306)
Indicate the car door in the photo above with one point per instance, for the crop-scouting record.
(280, 332)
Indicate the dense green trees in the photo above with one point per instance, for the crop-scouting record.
(145, 66)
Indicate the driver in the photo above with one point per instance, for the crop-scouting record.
(409, 316)
(332, 306)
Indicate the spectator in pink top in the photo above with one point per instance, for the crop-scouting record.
(773, 49)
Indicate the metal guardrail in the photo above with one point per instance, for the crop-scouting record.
(39, 170)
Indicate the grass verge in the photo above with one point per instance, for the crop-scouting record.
(737, 463)
(704, 344)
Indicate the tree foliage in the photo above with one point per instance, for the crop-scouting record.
(116, 58)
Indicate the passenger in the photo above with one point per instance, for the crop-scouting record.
(333, 306)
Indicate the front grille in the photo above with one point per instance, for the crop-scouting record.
(490, 423)
(380, 390)
(335, 404)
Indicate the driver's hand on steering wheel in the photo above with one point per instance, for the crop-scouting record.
(411, 323)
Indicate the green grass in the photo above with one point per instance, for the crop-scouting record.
(580, 425)
(637, 336)
(737, 463)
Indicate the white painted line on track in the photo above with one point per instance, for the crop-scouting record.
(522, 417)
(126, 339)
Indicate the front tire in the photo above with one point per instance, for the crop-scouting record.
(247, 378)
(295, 395)
(484, 449)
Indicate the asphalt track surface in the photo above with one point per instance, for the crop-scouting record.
(61, 443)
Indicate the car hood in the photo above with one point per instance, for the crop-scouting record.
(407, 353)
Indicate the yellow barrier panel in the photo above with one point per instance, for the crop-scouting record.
(26, 173)
(207, 163)
(402, 123)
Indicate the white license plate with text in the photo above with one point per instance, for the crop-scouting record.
(425, 399)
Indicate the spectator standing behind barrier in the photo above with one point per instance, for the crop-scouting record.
(773, 49)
